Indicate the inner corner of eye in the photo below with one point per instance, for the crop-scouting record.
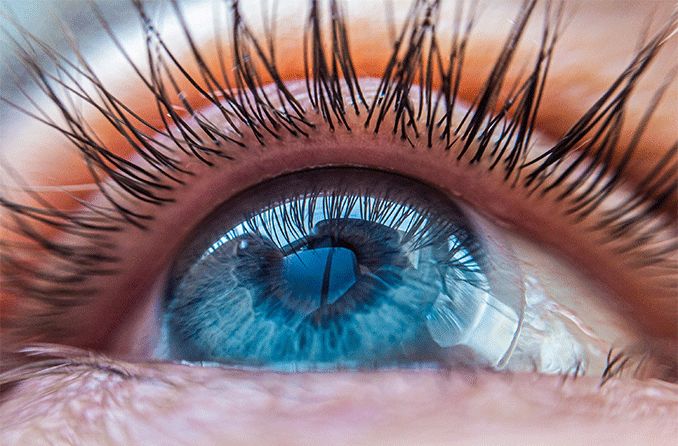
(349, 268)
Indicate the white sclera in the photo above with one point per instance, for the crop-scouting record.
(538, 314)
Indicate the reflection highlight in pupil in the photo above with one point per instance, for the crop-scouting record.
(320, 276)
(325, 270)
(336, 268)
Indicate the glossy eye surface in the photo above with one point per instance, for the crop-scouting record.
(347, 268)
(337, 268)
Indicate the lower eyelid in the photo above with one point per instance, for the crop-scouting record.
(198, 403)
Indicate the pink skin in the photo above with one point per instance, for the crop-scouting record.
(173, 404)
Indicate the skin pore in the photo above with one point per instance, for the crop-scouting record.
(135, 403)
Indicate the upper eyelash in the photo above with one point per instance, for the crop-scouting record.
(501, 131)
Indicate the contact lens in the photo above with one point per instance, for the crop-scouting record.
(337, 268)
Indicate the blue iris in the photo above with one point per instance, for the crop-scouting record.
(300, 275)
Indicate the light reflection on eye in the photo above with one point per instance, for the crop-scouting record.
(547, 337)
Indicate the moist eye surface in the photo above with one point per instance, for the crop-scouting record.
(335, 268)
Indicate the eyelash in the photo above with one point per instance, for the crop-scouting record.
(51, 359)
(578, 167)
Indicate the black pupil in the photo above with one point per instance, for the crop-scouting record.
(328, 272)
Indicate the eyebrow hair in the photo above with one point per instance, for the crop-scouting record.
(334, 88)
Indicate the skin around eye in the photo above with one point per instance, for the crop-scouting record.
(554, 118)
(184, 405)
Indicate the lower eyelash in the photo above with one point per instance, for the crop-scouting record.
(39, 360)
(578, 167)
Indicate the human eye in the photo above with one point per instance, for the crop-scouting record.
(424, 212)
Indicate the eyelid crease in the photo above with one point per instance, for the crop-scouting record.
(255, 110)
